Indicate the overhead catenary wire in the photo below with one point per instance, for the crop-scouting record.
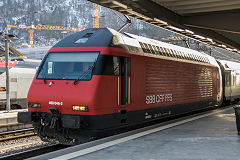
(227, 57)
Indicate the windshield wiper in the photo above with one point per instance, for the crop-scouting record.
(44, 77)
(89, 71)
(44, 80)
(83, 75)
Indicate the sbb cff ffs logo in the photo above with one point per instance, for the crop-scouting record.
(160, 98)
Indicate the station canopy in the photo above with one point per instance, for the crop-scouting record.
(216, 22)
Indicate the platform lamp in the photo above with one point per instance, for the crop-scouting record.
(7, 38)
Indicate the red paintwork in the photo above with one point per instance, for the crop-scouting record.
(187, 82)
(10, 64)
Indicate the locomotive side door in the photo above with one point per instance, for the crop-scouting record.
(123, 84)
(125, 81)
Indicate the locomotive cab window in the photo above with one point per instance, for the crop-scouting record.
(70, 66)
(116, 66)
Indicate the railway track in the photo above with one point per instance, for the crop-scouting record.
(11, 135)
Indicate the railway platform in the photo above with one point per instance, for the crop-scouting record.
(210, 135)
(8, 121)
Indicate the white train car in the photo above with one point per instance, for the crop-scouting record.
(231, 79)
(20, 77)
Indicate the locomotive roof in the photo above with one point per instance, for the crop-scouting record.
(97, 37)
(107, 37)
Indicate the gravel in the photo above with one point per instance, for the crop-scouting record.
(22, 144)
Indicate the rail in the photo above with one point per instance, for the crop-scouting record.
(22, 133)
(34, 152)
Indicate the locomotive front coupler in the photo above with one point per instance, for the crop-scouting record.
(55, 117)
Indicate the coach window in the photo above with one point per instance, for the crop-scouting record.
(237, 79)
(233, 80)
(227, 79)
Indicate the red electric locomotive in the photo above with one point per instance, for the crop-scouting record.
(102, 80)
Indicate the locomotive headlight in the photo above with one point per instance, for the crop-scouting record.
(80, 108)
(34, 105)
